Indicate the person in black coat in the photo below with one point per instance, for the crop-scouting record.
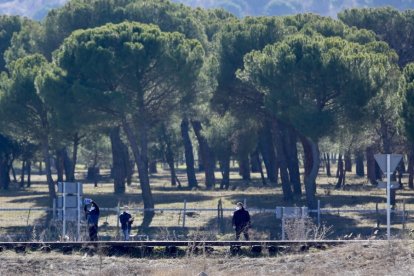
(241, 221)
(126, 223)
(92, 217)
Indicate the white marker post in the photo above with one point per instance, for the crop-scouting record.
(388, 163)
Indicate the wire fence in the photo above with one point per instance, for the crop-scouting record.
(41, 224)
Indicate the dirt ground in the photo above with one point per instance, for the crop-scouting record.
(376, 258)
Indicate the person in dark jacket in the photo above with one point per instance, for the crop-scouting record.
(126, 223)
(241, 221)
(92, 217)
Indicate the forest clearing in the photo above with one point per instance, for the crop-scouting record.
(151, 137)
(357, 194)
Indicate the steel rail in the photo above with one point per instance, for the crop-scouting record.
(190, 243)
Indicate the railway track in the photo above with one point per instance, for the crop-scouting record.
(146, 248)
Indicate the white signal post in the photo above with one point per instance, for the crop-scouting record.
(388, 163)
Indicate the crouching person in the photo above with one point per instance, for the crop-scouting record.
(92, 217)
(126, 223)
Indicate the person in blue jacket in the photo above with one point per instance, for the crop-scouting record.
(92, 217)
(126, 223)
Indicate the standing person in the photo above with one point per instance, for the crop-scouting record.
(241, 221)
(92, 217)
(126, 223)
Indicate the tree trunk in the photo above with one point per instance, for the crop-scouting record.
(46, 157)
(328, 164)
(386, 138)
(189, 156)
(201, 166)
(244, 168)
(333, 158)
(290, 141)
(22, 174)
(278, 133)
(59, 165)
(29, 173)
(169, 156)
(348, 162)
(95, 168)
(410, 167)
(225, 170)
(118, 161)
(402, 166)
(341, 173)
(259, 161)
(359, 164)
(141, 159)
(13, 173)
(40, 168)
(76, 141)
(206, 154)
(267, 149)
(312, 160)
(4, 173)
(153, 166)
(254, 164)
(130, 164)
(371, 166)
(68, 165)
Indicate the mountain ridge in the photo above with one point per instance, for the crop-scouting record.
(37, 9)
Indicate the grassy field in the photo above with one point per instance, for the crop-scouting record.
(166, 225)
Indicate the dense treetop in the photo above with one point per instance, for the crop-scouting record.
(271, 88)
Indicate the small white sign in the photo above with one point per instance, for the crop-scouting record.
(291, 212)
(383, 185)
(71, 214)
(71, 202)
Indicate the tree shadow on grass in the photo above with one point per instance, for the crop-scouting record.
(20, 192)
(337, 201)
(267, 226)
(343, 227)
(264, 201)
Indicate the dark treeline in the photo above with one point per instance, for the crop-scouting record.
(162, 81)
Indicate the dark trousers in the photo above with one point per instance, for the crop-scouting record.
(244, 230)
(93, 232)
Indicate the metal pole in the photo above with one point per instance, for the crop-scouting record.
(388, 197)
(79, 211)
(117, 221)
(283, 223)
(403, 217)
(64, 212)
(319, 212)
(245, 203)
(54, 209)
(184, 212)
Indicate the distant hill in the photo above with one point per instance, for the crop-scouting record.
(287, 7)
(37, 9)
